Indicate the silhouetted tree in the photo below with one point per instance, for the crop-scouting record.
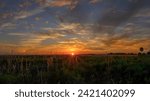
(141, 49)
(139, 53)
(148, 53)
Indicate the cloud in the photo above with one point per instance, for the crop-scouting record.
(117, 18)
(35, 38)
(25, 14)
(95, 1)
(60, 3)
(72, 41)
(22, 11)
(2, 4)
(8, 26)
(8, 48)
(25, 4)
(90, 26)
(70, 28)
(19, 34)
(111, 16)
(143, 13)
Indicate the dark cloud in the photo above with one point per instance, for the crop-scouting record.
(114, 39)
(95, 48)
(106, 19)
(115, 17)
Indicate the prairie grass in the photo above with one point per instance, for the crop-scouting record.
(89, 69)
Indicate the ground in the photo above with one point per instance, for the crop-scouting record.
(75, 69)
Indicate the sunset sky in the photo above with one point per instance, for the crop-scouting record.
(74, 26)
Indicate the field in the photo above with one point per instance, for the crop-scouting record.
(78, 69)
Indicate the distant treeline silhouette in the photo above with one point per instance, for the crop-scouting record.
(122, 54)
(141, 49)
(141, 52)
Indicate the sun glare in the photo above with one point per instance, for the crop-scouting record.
(72, 54)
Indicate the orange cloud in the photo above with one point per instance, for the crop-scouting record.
(59, 3)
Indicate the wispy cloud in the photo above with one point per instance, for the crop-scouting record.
(143, 13)
(95, 1)
(70, 28)
(25, 14)
(82, 25)
(8, 26)
(59, 3)
(19, 34)
(35, 39)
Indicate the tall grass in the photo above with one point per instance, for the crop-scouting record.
(75, 69)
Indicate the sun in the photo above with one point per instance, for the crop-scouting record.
(72, 54)
(72, 51)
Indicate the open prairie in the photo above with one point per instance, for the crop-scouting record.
(72, 69)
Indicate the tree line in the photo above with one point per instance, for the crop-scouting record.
(142, 51)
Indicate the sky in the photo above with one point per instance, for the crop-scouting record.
(74, 26)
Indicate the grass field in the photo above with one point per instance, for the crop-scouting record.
(89, 69)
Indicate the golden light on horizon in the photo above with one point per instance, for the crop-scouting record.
(72, 49)
(72, 54)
